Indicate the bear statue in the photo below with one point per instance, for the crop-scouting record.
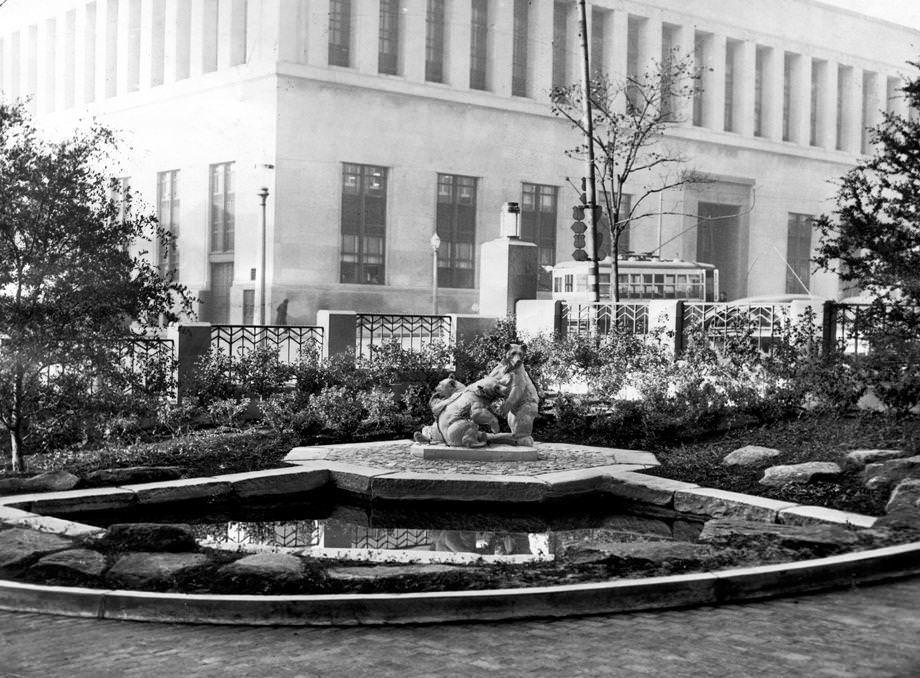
(521, 403)
(460, 410)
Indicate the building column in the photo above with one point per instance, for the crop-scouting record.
(457, 49)
(745, 87)
(150, 49)
(650, 47)
(714, 82)
(501, 47)
(800, 101)
(225, 12)
(196, 39)
(412, 32)
(318, 33)
(63, 63)
(827, 106)
(271, 27)
(46, 77)
(879, 99)
(366, 38)
(772, 110)
(540, 51)
(573, 43)
(173, 26)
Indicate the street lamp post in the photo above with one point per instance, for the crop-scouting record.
(263, 194)
(435, 246)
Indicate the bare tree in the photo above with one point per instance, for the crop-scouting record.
(630, 116)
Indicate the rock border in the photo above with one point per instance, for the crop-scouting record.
(313, 472)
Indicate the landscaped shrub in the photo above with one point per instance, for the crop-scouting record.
(260, 372)
(228, 412)
(337, 410)
(285, 413)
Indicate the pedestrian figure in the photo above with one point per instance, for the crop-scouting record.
(281, 313)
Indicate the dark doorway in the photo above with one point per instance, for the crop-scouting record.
(718, 242)
(221, 281)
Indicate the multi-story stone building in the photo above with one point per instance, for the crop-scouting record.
(374, 122)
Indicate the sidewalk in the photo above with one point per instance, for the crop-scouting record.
(870, 631)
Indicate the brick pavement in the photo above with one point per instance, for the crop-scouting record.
(865, 632)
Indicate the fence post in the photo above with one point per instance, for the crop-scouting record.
(340, 331)
(193, 342)
(679, 328)
(538, 316)
(829, 327)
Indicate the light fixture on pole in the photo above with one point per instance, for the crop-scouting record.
(263, 194)
(435, 246)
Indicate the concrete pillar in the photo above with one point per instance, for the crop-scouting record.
(6, 63)
(193, 342)
(664, 317)
(412, 34)
(173, 25)
(501, 47)
(616, 54)
(84, 76)
(63, 61)
(800, 102)
(877, 102)
(291, 26)
(196, 38)
(267, 25)
(339, 331)
(853, 102)
(124, 49)
(366, 38)
(533, 317)
(745, 80)
(105, 46)
(540, 52)
(468, 327)
(650, 46)
(513, 268)
(231, 33)
(895, 100)
(318, 33)
(151, 48)
(457, 48)
(772, 107)
(827, 105)
(714, 83)
(573, 43)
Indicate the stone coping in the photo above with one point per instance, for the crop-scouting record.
(614, 596)
(317, 468)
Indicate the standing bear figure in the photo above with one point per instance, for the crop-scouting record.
(521, 404)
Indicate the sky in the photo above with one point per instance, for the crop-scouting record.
(905, 12)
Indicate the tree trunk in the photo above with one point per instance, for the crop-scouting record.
(615, 232)
(16, 459)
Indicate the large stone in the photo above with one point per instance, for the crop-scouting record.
(185, 489)
(11, 485)
(458, 487)
(644, 488)
(131, 475)
(856, 460)
(816, 537)
(20, 546)
(705, 501)
(394, 578)
(254, 484)
(903, 508)
(53, 481)
(146, 570)
(750, 455)
(815, 515)
(887, 474)
(810, 471)
(630, 554)
(262, 572)
(485, 454)
(72, 564)
(150, 537)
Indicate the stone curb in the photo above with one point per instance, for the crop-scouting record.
(619, 596)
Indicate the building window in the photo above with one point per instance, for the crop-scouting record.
(389, 37)
(560, 28)
(221, 214)
(731, 50)
(788, 65)
(699, 53)
(598, 39)
(340, 32)
(168, 216)
(457, 230)
(760, 65)
(798, 254)
(434, 41)
(249, 307)
(364, 209)
(538, 225)
(120, 194)
(634, 28)
(817, 70)
(869, 108)
(843, 74)
(669, 47)
(479, 43)
(519, 49)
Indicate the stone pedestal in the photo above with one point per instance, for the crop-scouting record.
(509, 274)
(490, 453)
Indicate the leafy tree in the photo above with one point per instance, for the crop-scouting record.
(630, 117)
(873, 236)
(71, 290)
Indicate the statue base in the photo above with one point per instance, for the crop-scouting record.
(488, 453)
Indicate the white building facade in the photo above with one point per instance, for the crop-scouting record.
(373, 123)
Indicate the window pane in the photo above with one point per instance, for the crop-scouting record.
(363, 224)
(456, 226)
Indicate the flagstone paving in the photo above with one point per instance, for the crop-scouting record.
(864, 632)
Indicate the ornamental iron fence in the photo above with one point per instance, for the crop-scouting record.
(290, 341)
(719, 322)
(412, 332)
(602, 319)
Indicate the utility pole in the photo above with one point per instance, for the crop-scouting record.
(263, 195)
(590, 196)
